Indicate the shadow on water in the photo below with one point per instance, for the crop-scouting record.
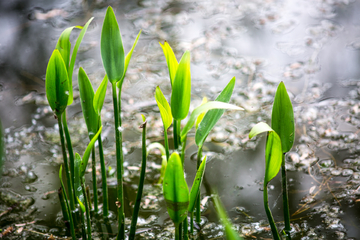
(313, 47)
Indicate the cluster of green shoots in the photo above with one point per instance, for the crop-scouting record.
(182, 205)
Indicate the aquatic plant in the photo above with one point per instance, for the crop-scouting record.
(115, 65)
(280, 139)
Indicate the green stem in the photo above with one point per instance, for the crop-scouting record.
(185, 229)
(95, 193)
(191, 224)
(180, 230)
(141, 185)
(177, 232)
(88, 222)
(119, 164)
(176, 143)
(69, 213)
(269, 215)
(71, 152)
(67, 170)
(103, 178)
(285, 199)
(166, 142)
(183, 148)
(198, 212)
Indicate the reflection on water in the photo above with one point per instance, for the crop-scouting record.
(313, 46)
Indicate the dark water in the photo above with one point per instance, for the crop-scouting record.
(314, 47)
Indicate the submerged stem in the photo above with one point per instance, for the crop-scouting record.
(67, 170)
(93, 159)
(119, 164)
(269, 215)
(87, 210)
(141, 185)
(103, 179)
(198, 212)
(285, 199)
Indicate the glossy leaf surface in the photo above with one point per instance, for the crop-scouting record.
(171, 61)
(213, 116)
(175, 189)
(201, 116)
(273, 152)
(128, 58)
(164, 107)
(64, 45)
(57, 83)
(77, 179)
(111, 46)
(85, 158)
(86, 100)
(181, 89)
(195, 189)
(100, 96)
(203, 108)
(282, 118)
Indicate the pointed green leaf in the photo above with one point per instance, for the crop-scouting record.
(86, 100)
(203, 108)
(164, 107)
(171, 61)
(57, 83)
(273, 152)
(282, 118)
(60, 175)
(201, 116)
(273, 156)
(176, 191)
(127, 60)
(213, 116)
(230, 232)
(73, 58)
(112, 49)
(181, 89)
(195, 189)
(100, 96)
(77, 180)
(82, 207)
(64, 45)
(85, 158)
(261, 127)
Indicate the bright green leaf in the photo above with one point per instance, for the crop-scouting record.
(57, 83)
(73, 58)
(273, 152)
(176, 191)
(112, 50)
(77, 179)
(201, 116)
(273, 156)
(127, 60)
(230, 232)
(181, 89)
(282, 118)
(203, 108)
(195, 189)
(164, 107)
(85, 158)
(171, 61)
(86, 100)
(64, 45)
(100, 96)
(213, 116)
(82, 207)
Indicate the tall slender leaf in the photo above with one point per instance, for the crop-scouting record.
(181, 89)
(128, 58)
(203, 108)
(86, 100)
(85, 158)
(112, 49)
(282, 118)
(64, 45)
(176, 191)
(57, 83)
(171, 61)
(100, 96)
(195, 189)
(213, 116)
(164, 107)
